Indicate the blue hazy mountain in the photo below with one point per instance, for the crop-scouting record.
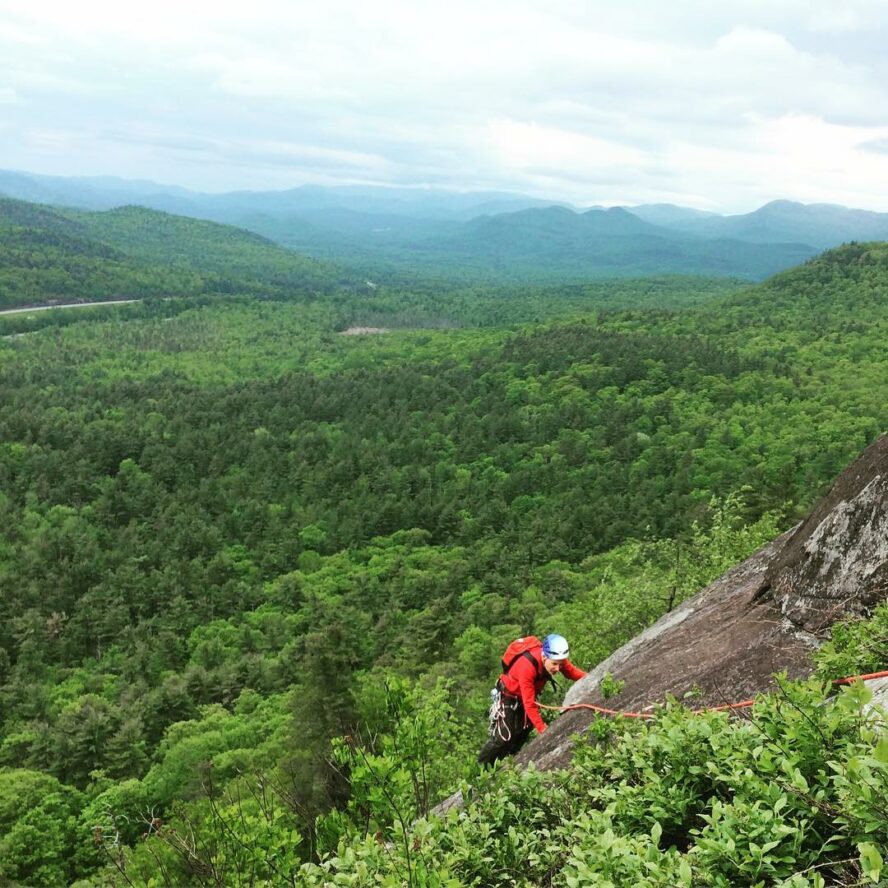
(506, 235)
(820, 225)
(613, 241)
(307, 200)
(668, 215)
(541, 244)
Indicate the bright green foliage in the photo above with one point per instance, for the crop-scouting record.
(429, 306)
(38, 818)
(68, 255)
(44, 256)
(871, 862)
(231, 259)
(859, 647)
(687, 799)
(116, 816)
(231, 535)
(604, 859)
(412, 753)
(246, 837)
(219, 740)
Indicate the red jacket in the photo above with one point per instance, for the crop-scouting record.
(526, 680)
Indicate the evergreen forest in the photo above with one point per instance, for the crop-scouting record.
(258, 568)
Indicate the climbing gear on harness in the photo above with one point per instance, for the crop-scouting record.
(555, 647)
(496, 710)
(498, 722)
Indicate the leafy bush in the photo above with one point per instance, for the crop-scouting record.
(791, 796)
(857, 647)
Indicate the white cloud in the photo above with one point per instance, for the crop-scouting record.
(529, 147)
(599, 102)
(755, 44)
(308, 155)
(54, 141)
(11, 34)
(799, 157)
(259, 76)
(834, 19)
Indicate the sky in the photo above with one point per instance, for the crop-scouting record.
(714, 104)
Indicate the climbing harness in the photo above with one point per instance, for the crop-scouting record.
(497, 726)
(743, 704)
(497, 722)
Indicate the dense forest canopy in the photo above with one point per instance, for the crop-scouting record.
(69, 256)
(232, 533)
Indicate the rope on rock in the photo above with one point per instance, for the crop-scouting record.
(743, 704)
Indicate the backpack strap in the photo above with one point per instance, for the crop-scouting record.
(514, 660)
(539, 669)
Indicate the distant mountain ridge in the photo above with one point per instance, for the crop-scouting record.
(104, 193)
(820, 225)
(612, 242)
(666, 214)
(488, 234)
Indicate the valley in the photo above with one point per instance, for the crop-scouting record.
(233, 536)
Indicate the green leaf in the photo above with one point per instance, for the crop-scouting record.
(656, 833)
(870, 861)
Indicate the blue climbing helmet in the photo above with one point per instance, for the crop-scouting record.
(555, 647)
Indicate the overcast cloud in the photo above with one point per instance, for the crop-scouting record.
(716, 105)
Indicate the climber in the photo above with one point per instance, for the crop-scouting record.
(527, 665)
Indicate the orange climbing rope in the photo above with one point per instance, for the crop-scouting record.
(851, 678)
(743, 704)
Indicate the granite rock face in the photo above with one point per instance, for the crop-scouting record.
(836, 564)
(766, 615)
